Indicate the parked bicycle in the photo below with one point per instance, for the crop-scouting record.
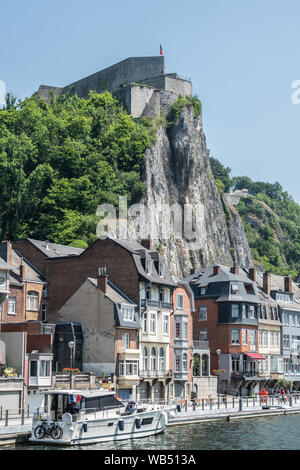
(52, 430)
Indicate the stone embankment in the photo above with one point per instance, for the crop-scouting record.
(234, 408)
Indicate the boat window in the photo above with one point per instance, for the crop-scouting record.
(93, 404)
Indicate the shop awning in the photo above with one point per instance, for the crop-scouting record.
(255, 356)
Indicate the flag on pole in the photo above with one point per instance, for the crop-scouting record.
(160, 50)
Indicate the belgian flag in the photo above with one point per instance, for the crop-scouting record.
(161, 50)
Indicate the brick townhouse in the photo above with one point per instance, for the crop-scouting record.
(27, 297)
(139, 272)
(181, 342)
(110, 326)
(226, 314)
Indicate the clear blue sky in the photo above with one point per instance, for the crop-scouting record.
(242, 56)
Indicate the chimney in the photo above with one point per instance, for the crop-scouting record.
(8, 248)
(22, 271)
(217, 270)
(252, 274)
(267, 282)
(102, 279)
(147, 243)
(288, 284)
(235, 270)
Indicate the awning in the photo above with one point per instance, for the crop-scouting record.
(255, 356)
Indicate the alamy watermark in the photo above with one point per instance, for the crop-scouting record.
(155, 221)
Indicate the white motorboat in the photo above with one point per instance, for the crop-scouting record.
(80, 417)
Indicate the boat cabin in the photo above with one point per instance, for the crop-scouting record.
(76, 401)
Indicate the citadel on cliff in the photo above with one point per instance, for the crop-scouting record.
(141, 83)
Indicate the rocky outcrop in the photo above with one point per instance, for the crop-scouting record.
(178, 175)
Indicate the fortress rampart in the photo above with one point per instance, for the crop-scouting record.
(139, 82)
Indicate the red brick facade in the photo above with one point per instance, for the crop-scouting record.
(218, 334)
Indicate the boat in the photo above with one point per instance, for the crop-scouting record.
(78, 417)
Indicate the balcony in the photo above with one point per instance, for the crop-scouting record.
(156, 303)
(180, 375)
(248, 375)
(200, 345)
(156, 374)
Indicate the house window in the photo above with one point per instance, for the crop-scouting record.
(128, 313)
(234, 288)
(177, 330)
(286, 341)
(235, 363)
(249, 289)
(276, 338)
(12, 305)
(185, 330)
(152, 323)
(252, 312)
(264, 312)
(33, 369)
(153, 359)
(148, 266)
(252, 340)
(245, 337)
(202, 290)
(179, 301)
(235, 336)
(32, 301)
(203, 335)
(244, 311)
(161, 359)
(148, 293)
(128, 368)
(202, 313)
(45, 292)
(44, 368)
(145, 358)
(166, 325)
(44, 313)
(184, 362)
(161, 268)
(145, 329)
(125, 340)
(178, 363)
(272, 338)
(260, 338)
(266, 338)
(235, 311)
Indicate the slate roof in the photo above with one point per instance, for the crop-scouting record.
(118, 298)
(220, 285)
(140, 254)
(55, 250)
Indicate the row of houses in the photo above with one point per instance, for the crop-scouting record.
(114, 309)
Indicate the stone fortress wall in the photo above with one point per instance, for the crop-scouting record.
(139, 82)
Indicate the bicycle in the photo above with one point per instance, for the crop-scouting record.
(44, 430)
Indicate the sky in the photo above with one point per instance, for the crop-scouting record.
(242, 57)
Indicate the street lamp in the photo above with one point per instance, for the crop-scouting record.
(218, 352)
(71, 345)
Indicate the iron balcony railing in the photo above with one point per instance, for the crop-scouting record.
(156, 303)
(156, 373)
(247, 373)
(200, 345)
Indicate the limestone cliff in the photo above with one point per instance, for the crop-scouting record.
(178, 172)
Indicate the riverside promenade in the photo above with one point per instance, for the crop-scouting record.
(17, 428)
(234, 408)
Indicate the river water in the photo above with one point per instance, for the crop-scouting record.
(262, 433)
